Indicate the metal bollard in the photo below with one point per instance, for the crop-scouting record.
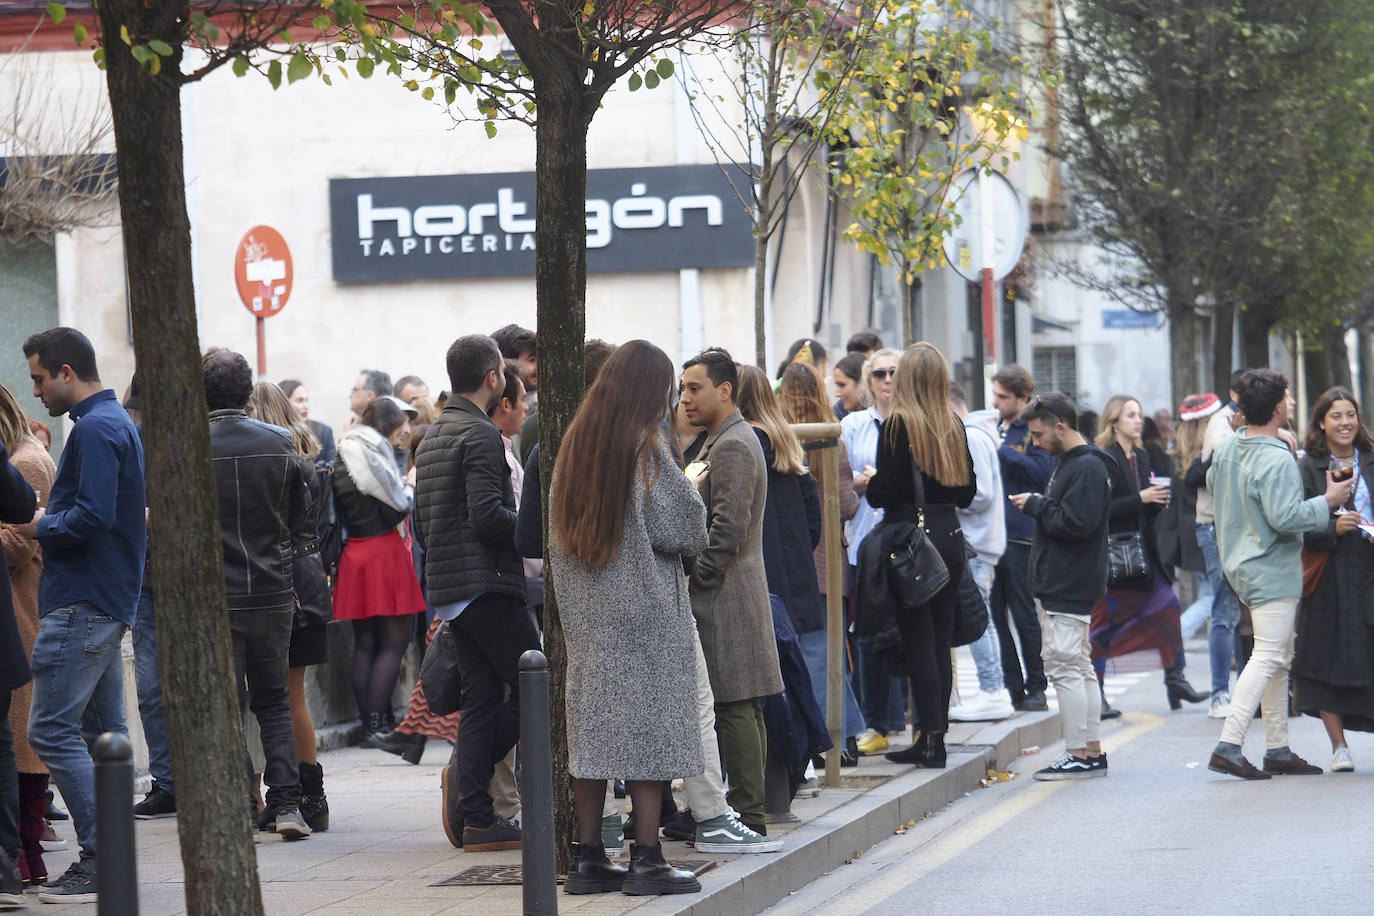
(114, 825)
(539, 868)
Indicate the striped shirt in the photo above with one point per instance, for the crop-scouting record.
(859, 431)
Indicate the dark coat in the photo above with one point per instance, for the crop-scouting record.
(1127, 512)
(791, 531)
(313, 603)
(363, 516)
(873, 597)
(17, 505)
(1333, 630)
(465, 508)
(793, 719)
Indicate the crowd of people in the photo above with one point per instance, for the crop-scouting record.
(685, 537)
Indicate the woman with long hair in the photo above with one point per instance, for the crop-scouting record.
(1333, 656)
(881, 697)
(299, 396)
(376, 589)
(25, 559)
(622, 515)
(847, 377)
(309, 631)
(1137, 626)
(802, 399)
(923, 436)
(1190, 473)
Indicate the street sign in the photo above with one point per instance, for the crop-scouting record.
(263, 272)
(1007, 225)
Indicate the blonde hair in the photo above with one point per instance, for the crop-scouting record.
(1188, 441)
(1106, 430)
(14, 426)
(866, 383)
(270, 404)
(757, 403)
(920, 399)
(425, 410)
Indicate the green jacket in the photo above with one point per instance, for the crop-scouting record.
(1261, 517)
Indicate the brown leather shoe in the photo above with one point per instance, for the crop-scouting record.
(1290, 766)
(1245, 769)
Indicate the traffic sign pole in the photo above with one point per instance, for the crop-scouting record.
(262, 349)
(986, 231)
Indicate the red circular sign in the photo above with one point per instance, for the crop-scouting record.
(263, 272)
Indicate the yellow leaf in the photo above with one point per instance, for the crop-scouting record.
(124, 35)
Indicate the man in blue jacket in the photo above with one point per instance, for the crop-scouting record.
(1026, 468)
(93, 536)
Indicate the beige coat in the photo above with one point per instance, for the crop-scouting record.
(26, 565)
(729, 588)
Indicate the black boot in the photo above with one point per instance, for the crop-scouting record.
(374, 724)
(1108, 711)
(409, 748)
(591, 872)
(1178, 689)
(913, 755)
(649, 874)
(928, 752)
(849, 757)
(314, 806)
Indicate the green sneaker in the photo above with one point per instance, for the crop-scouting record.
(726, 834)
(613, 834)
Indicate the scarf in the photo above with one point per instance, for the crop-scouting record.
(368, 457)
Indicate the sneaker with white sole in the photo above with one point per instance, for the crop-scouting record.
(1341, 761)
(1070, 767)
(1221, 706)
(871, 742)
(50, 841)
(983, 707)
(727, 834)
(77, 885)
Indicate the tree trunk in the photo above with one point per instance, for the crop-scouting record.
(1328, 363)
(1366, 380)
(194, 656)
(560, 273)
(911, 298)
(1254, 336)
(1184, 335)
(1223, 350)
(761, 290)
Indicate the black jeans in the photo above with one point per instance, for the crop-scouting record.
(1013, 605)
(928, 630)
(491, 634)
(262, 640)
(9, 786)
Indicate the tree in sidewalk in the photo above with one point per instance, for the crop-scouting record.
(563, 57)
(931, 96)
(1193, 131)
(150, 49)
(763, 118)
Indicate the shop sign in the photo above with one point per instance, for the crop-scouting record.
(1129, 320)
(439, 226)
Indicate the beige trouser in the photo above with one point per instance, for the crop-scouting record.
(1264, 680)
(1067, 654)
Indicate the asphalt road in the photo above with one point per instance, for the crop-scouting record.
(1160, 834)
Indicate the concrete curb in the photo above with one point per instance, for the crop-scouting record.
(750, 884)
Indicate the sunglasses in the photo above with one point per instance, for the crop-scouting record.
(881, 374)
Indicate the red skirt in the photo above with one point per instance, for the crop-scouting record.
(376, 579)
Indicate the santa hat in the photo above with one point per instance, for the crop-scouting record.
(1198, 406)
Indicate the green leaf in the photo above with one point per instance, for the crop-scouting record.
(320, 22)
(427, 93)
(57, 12)
(98, 56)
(491, 129)
(635, 82)
(160, 47)
(664, 68)
(79, 33)
(140, 53)
(299, 67)
(239, 66)
(651, 79)
(274, 74)
(365, 66)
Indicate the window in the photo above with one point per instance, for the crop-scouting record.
(1056, 369)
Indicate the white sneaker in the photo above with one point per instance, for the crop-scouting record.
(983, 707)
(1341, 762)
(1221, 706)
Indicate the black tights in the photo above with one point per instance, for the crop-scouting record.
(379, 643)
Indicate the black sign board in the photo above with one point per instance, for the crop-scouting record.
(436, 226)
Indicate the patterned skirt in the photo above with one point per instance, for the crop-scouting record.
(1136, 630)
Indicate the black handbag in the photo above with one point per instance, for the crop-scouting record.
(916, 569)
(970, 611)
(439, 677)
(1127, 564)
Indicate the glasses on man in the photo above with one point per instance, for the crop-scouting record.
(882, 374)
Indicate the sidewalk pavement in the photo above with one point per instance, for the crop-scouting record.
(385, 846)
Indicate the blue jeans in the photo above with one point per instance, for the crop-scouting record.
(1221, 638)
(1197, 613)
(150, 691)
(815, 650)
(987, 649)
(77, 694)
(881, 696)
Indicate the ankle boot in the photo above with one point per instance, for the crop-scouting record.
(1108, 711)
(314, 805)
(374, 724)
(1178, 689)
(649, 874)
(913, 755)
(409, 748)
(592, 872)
(935, 752)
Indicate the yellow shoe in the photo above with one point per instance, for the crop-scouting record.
(870, 742)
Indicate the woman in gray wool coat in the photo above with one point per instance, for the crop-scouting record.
(622, 517)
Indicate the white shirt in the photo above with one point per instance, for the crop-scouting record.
(859, 431)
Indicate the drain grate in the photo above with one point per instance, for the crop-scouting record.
(512, 874)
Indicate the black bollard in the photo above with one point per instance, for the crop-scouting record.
(114, 825)
(537, 860)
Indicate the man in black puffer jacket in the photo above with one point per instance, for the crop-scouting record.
(265, 523)
(465, 510)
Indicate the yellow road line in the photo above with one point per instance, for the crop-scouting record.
(943, 848)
